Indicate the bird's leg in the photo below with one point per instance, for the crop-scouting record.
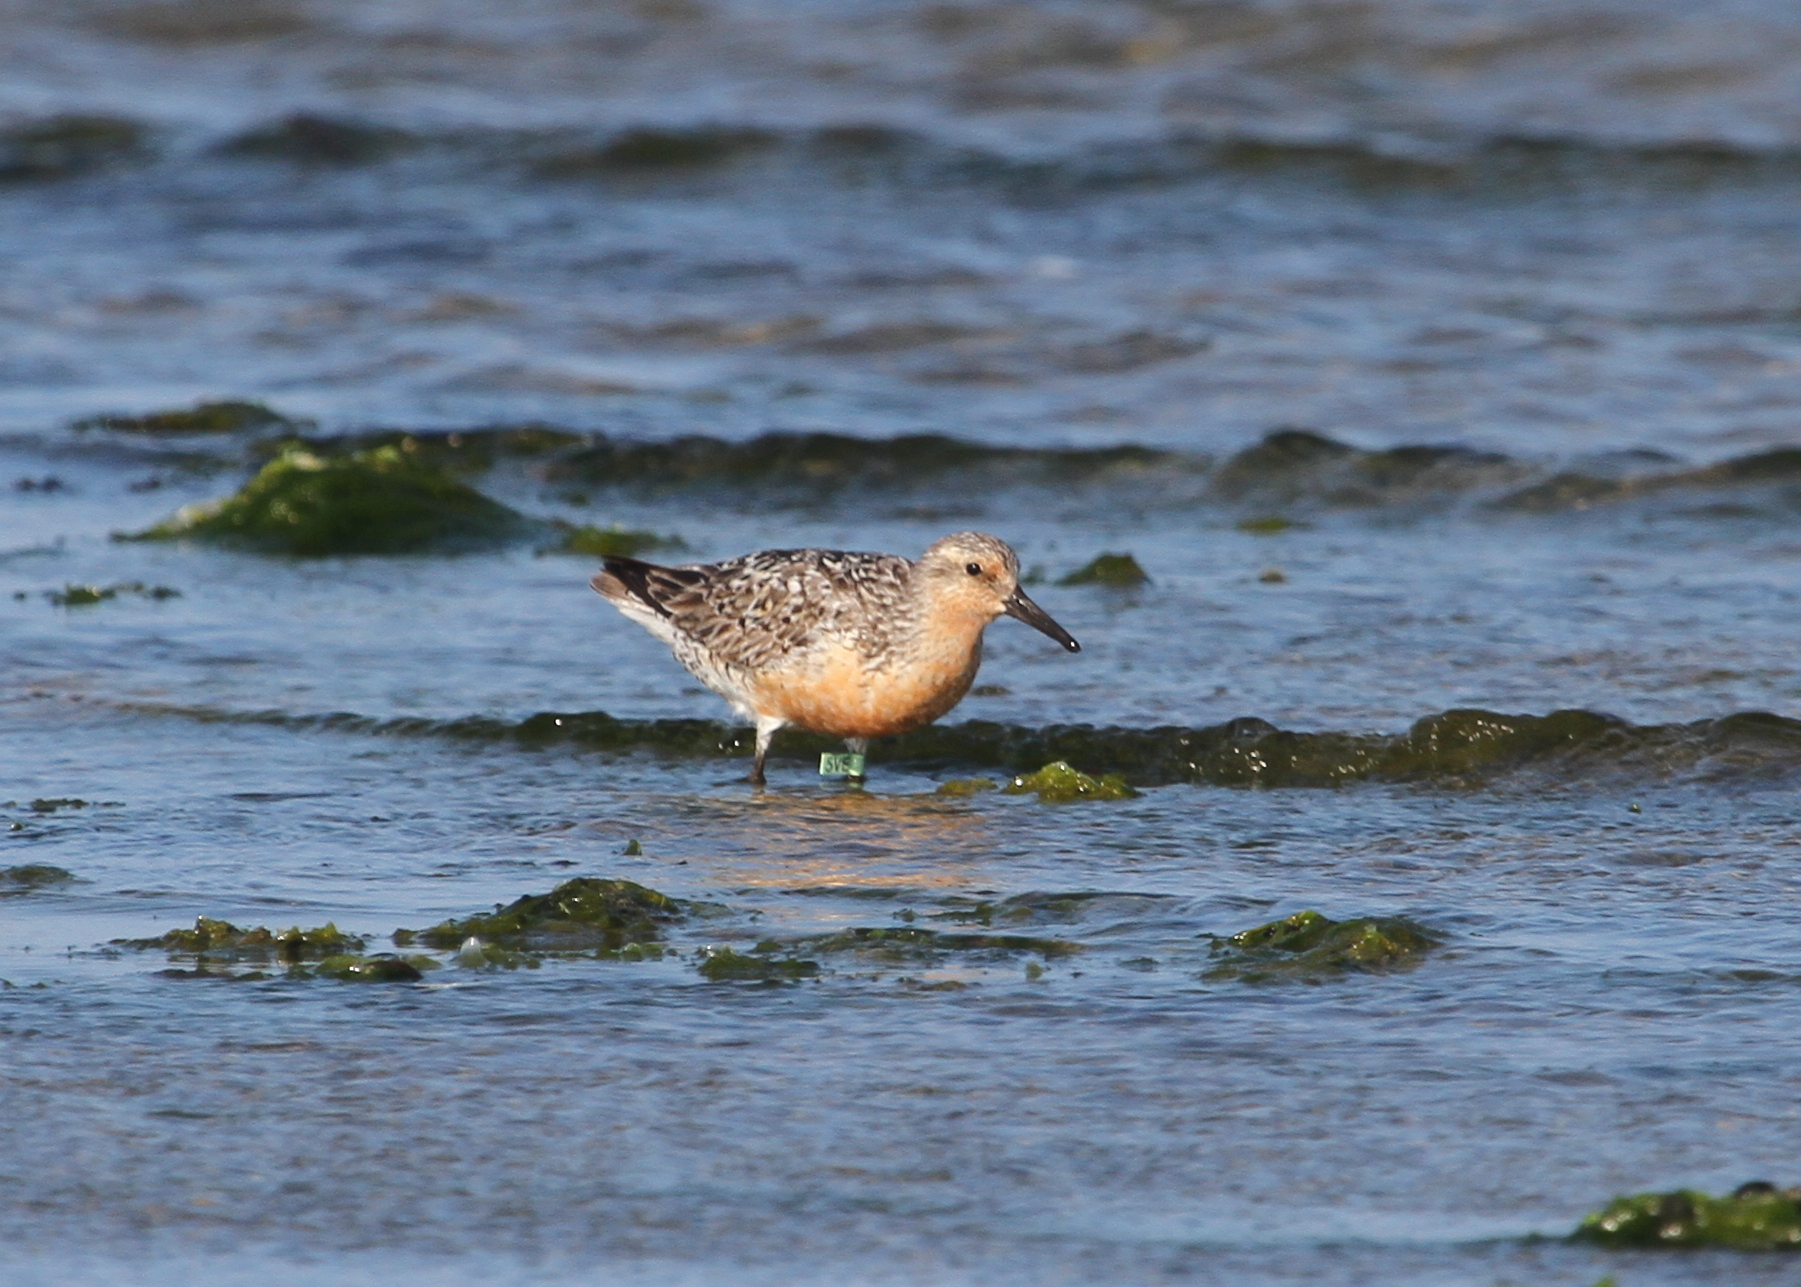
(856, 746)
(765, 733)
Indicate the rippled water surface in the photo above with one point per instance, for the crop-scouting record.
(1437, 362)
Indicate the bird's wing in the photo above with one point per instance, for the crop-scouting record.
(754, 611)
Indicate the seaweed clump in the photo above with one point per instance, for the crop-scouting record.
(59, 147)
(806, 468)
(463, 451)
(1022, 909)
(214, 946)
(374, 502)
(1756, 1217)
(878, 947)
(1119, 571)
(906, 945)
(1058, 783)
(308, 139)
(202, 418)
(964, 787)
(1311, 947)
(56, 804)
(222, 941)
(29, 876)
(608, 542)
(762, 965)
(656, 149)
(382, 967)
(83, 596)
(1296, 464)
(586, 914)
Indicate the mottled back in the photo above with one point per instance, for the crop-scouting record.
(754, 612)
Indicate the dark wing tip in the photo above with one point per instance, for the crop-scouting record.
(633, 576)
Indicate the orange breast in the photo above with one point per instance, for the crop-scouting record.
(842, 697)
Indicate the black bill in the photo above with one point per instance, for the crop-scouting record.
(1023, 609)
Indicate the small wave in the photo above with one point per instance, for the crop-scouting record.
(1460, 748)
(854, 153)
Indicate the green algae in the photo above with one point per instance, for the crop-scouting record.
(810, 466)
(963, 787)
(1267, 525)
(1756, 1217)
(59, 147)
(642, 951)
(1058, 783)
(225, 417)
(779, 468)
(1028, 908)
(308, 139)
(579, 915)
(79, 596)
(29, 876)
(1456, 748)
(1295, 464)
(383, 967)
(1564, 491)
(325, 952)
(899, 945)
(374, 502)
(762, 965)
(906, 944)
(1120, 571)
(477, 955)
(606, 542)
(83, 596)
(57, 804)
(650, 149)
(1310, 947)
(216, 940)
(1575, 491)
(207, 972)
(463, 451)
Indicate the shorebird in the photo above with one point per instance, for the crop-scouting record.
(855, 646)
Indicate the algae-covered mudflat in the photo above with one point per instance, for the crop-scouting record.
(1400, 403)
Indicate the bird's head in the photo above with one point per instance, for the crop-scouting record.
(976, 575)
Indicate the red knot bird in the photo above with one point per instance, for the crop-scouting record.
(850, 645)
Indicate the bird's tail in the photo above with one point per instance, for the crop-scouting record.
(632, 582)
(622, 580)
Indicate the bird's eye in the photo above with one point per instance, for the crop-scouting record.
(974, 569)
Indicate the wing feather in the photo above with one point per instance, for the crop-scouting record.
(754, 612)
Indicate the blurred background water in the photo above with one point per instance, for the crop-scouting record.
(1448, 355)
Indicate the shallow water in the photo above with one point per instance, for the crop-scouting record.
(1526, 277)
